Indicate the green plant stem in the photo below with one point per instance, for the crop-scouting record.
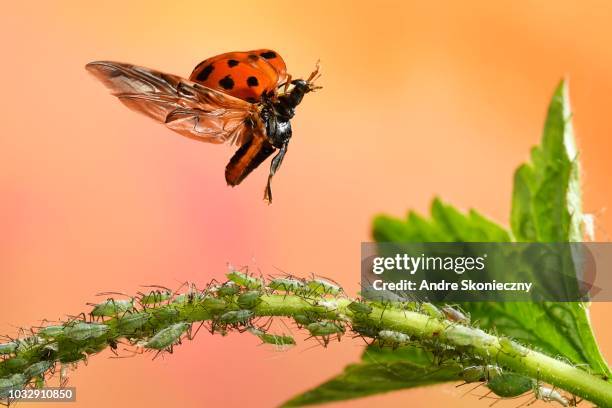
(527, 362)
(195, 307)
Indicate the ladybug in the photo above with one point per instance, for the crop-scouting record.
(241, 98)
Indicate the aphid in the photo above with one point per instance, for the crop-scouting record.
(14, 364)
(232, 97)
(366, 331)
(165, 314)
(214, 304)
(71, 356)
(49, 351)
(460, 335)
(133, 321)
(510, 384)
(245, 280)
(322, 287)
(8, 348)
(431, 311)
(393, 338)
(83, 331)
(303, 320)
(360, 308)
(288, 285)
(39, 382)
(275, 339)
(325, 328)
(327, 305)
(480, 373)
(14, 382)
(236, 316)
(455, 315)
(37, 369)
(112, 308)
(228, 289)
(549, 394)
(167, 337)
(248, 300)
(154, 297)
(51, 332)
(512, 348)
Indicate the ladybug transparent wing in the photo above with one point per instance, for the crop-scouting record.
(186, 107)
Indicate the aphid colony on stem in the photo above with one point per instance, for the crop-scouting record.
(159, 319)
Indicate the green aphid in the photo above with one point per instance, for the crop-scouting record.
(366, 331)
(277, 339)
(167, 337)
(71, 356)
(37, 369)
(179, 299)
(14, 382)
(97, 347)
(214, 304)
(236, 316)
(480, 373)
(245, 280)
(360, 308)
(165, 313)
(325, 328)
(84, 331)
(393, 337)
(431, 311)
(13, 364)
(323, 287)
(460, 335)
(510, 384)
(51, 332)
(302, 319)
(112, 308)
(8, 348)
(289, 285)
(131, 322)
(228, 289)
(512, 348)
(250, 299)
(39, 382)
(154, 297)
(455, 315)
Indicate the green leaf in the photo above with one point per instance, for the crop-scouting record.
(546, 203)
(382, 370)
(546, 207)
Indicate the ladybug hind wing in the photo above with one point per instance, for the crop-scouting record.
(186, 107)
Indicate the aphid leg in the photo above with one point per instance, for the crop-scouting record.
(276, 162)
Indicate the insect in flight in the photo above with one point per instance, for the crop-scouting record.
(241, 98)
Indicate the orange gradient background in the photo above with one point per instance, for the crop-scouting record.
(419, 99)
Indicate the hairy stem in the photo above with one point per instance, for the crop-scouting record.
(159, 320)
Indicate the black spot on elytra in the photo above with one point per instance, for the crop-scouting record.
(205, 73)
(227, 82)
(253, 57)
(232, 63)
(252, 81)
(268, 54)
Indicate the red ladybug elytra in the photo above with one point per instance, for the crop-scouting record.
(243, 98)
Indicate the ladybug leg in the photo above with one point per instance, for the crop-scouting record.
(313, 76)
(287, 83)
(276, 162)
